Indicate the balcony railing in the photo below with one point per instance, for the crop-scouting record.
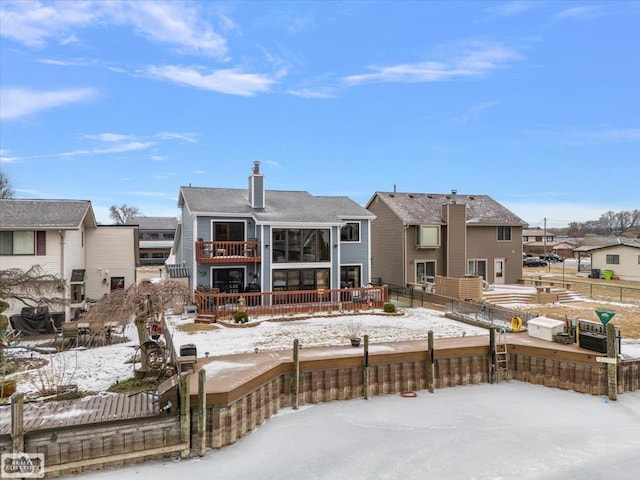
(224, 305)
(228, 252)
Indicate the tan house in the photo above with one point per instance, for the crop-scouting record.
(417, 236)
(64, 239)
(619, 261)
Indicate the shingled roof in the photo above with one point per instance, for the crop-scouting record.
(154, 223)
(281, 206)
(34, 213)
(426, 208)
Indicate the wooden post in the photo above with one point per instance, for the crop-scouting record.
(17, 423)
(295, 386)
(185, 414)
(366, 367)
(431, 367)
(492, 354)
(612, 368)
(202, 412)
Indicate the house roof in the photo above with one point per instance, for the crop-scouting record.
(32, 213)
(631, 244)
(281, 206)
(536, 232)
(154, 223)
(426, 208)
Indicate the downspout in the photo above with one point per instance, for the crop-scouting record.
(404, 254)
(62, 234)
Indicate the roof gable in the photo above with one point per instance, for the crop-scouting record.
(34, 213)
(426, 208)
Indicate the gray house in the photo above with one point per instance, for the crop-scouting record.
(266, 240)
(416, 236)
(156, 235)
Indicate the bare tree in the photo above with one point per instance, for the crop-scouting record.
(145, 302)
(32, 288)
(617, 223)
(577, 229)
(5, 186)
(124, 212)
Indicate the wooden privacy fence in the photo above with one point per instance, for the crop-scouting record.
(225, 305)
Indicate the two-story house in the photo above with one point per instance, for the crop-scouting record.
(268, 240)
(416, 236)
(64, 239)
(156, 235)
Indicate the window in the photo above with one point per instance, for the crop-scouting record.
(428, 236)
(504, 234)
(613, 259)
(425, 271)
(300, 245)
(23, 242)
(638, 259)
(349, 277)
(477, 268)
(350, 232)
(300, 279)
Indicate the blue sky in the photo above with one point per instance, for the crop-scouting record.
(535, 103)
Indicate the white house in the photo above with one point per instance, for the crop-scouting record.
(622, 260)
(64, 239)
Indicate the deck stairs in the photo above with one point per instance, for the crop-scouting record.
(498, 297)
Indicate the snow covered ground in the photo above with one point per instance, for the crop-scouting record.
(95, 369)
(506, 431)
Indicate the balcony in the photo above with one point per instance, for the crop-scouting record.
(228, 252)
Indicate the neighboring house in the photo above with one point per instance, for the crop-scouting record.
(621, 260)
(537, 241)
(270, 240)
(418, 235)
(62, 236)
(156, 236)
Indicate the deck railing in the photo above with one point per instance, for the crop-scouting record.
(225, 305)
(228, 252)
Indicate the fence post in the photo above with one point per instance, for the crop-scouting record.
(295, 386)
(430, 363)
(17, 423)
(612, 368)
(185, 414)
(366, 367)
(202, 412)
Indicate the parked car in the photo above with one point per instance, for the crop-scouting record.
(552, 257)
(534, 262)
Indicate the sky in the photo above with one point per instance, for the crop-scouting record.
(534, 103)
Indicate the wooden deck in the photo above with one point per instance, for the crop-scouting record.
(88, 410)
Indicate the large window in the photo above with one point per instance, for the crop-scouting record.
(226, 232)
(350, 232)
(23, 242)
(613, 259)
(300, 245)
(425, 271)
(350, 276)
(477, 268)
(504, 234)
(428, 236)
(300, 279)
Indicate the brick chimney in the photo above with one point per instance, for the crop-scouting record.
(256, 187)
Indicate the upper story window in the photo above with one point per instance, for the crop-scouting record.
(504, 234)
(300, 245)
(613, 259)
(23, 242)
(350, 232)
(428, 236)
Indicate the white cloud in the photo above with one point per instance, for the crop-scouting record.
(5, 158)
(476, 60)
(474, 112)
(313, 93)
(229, 81)
(515, 8)
(586, 11)
(20, 102)
(187, 137)
(109, 137)
(124, 147)
(35, 23)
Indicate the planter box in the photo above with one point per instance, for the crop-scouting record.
(545, 328)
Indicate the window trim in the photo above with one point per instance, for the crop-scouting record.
(612, 259)
(357, 231)
(500, 230)
(419, 236)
